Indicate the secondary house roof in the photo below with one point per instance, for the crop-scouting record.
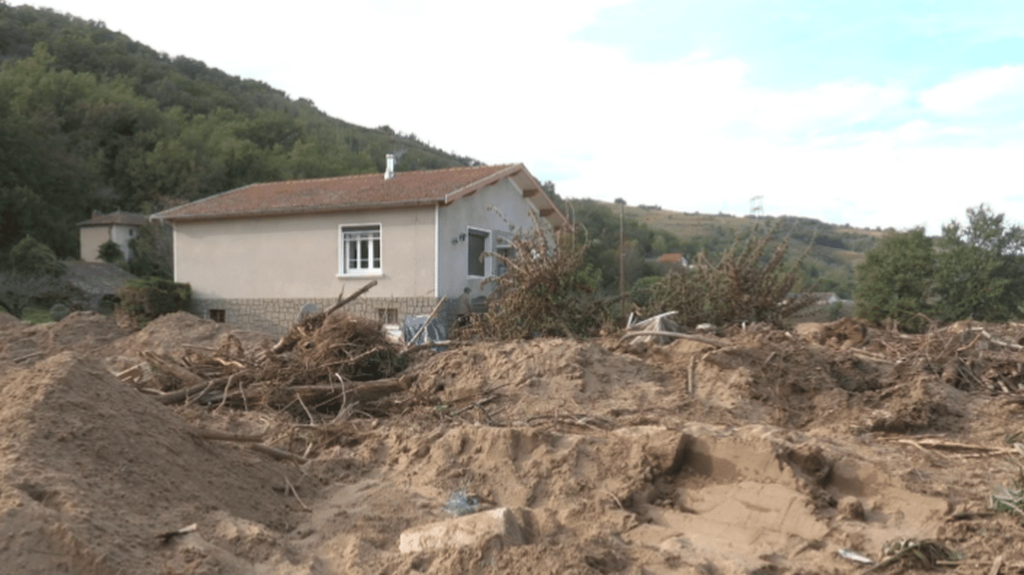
(115, 218)
(361, 192)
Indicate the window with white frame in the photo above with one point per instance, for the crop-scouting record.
(502, 247)
(477, 244)
(360, 250)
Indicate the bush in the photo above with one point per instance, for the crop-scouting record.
(110, 252)
(743, 286)
(543, 292)
(33, 258)
(148, 298)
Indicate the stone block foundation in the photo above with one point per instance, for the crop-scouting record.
(276, 316)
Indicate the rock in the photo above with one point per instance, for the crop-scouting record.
(851, 508)
(497, 527)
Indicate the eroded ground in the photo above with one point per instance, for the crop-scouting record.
(768, 454)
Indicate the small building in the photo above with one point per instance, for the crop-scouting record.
(118, 227)
(675, 260)
(257, 255)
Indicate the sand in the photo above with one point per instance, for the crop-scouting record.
(784, 448)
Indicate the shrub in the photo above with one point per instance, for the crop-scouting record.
(545, 290)
(743, 285)
(148, 298)
(110, 252)
(33, 258)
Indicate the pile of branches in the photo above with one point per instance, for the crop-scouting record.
(968, 356)
(744, 285)
(546, 290)
(330, 361)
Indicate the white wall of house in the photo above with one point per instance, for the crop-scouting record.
(297, 256)
(509, 214)
(121, 236)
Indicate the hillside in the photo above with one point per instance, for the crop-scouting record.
(829, 266)
(91, 119)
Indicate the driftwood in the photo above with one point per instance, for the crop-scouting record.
(690, 336)
(313, 323)
(221, 436)
(343, 302)
(278, 453)
(363, 392)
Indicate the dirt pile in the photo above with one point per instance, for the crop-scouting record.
(756, 451)
(93, 471)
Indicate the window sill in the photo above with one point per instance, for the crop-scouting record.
(376, 274)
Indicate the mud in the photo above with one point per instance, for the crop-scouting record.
(767, 455)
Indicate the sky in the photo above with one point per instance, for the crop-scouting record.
(875, 113)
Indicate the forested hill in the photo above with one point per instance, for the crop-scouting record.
(91, 119)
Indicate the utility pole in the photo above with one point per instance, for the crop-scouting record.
(622, 258)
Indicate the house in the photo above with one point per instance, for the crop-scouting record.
(118, 227)
(673, 261)
(256, 255)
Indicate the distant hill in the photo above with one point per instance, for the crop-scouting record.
(91, 119)
(830, 265)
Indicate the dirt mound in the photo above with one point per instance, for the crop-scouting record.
(81, 331)
(170, 335)
(93, 471)
(755, 451)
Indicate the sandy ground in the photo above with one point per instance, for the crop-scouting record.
(769, 454)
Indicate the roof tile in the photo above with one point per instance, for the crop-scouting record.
(341, 193)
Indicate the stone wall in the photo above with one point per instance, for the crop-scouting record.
(276, 316)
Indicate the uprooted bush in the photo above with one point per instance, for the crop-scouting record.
(146, 299)
(546, 290)
(744, 285)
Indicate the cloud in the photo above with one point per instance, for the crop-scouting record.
(966, 92)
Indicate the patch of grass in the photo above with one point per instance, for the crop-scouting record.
(36, 315)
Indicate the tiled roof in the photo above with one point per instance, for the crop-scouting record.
(670, 258)
(344, 193)
(116, 218)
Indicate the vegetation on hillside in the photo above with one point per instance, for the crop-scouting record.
(91, 119)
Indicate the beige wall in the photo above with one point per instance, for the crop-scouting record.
(508, 213)
(92, 237)
(297, 256)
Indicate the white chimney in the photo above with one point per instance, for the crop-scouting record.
(390, 171)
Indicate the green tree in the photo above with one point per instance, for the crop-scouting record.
(895, 281)
(31, 257)
(980, 268)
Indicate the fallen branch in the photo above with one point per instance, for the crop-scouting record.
(221, 436)
(690, 336)
(343, 302)
(279, 454)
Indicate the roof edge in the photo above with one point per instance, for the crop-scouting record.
(300, 211)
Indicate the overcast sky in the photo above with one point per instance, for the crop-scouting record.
(870, 112)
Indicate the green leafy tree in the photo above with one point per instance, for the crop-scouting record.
(895, 281)
(980, 268)
(31, 257)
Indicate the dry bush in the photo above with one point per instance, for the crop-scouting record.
(545, 290)
(743, 285)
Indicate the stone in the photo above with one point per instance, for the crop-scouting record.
(497, 527)
(851, 508)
